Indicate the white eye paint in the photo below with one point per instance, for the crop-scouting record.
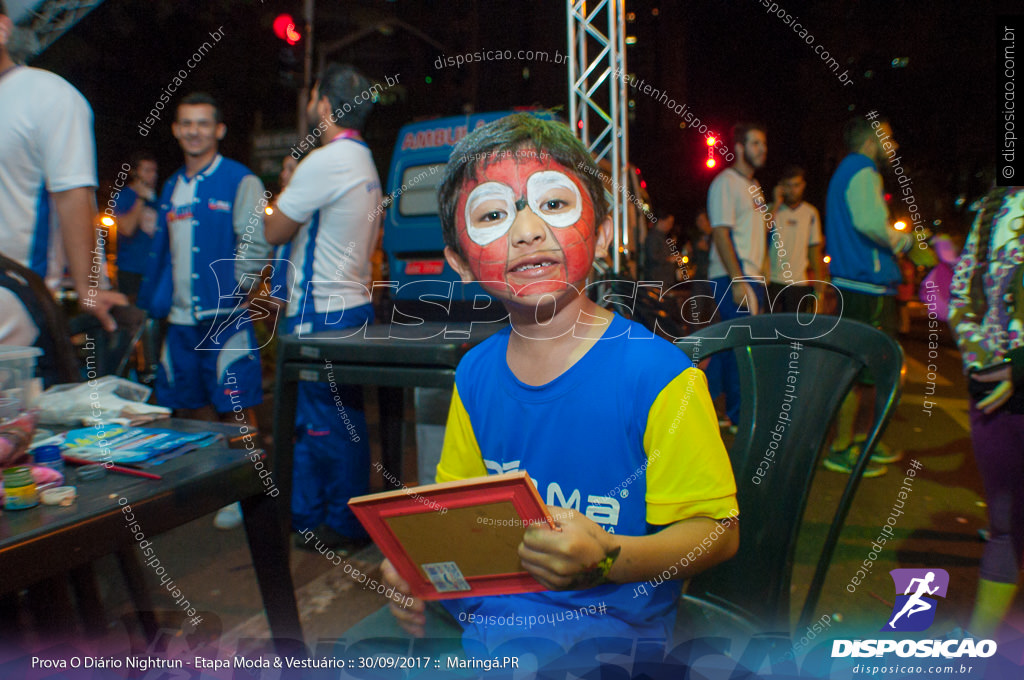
(539, 190)
(504, 200)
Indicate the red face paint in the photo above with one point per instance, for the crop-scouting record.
(527, 222)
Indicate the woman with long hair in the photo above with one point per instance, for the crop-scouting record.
(987, 315)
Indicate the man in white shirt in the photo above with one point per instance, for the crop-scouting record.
(48, 184)
(328, 215)
(794, 245)
(736, 211)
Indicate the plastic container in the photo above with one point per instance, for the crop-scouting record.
(19, 489)
(49, 456)
(18, 372)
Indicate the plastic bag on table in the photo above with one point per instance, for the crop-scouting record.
(108, 399)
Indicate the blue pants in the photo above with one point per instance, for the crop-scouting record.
(332, 448)
(723, 374)
(200, 367)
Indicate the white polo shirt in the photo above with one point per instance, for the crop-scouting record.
(731, 203)
(334, 192)
(46, 146)
(798, 228)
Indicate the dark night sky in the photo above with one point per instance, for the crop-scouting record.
(725, 59)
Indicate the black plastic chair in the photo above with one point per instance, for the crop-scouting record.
(832, 352)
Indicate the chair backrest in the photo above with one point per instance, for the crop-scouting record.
(112, 350)
(793, 379)
(61, 366)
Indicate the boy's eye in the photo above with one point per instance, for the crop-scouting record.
(554, 196)
(490, 211)
(492, 216)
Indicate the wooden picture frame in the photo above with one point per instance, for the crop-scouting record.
(457, 539)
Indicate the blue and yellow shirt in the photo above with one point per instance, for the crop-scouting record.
(628, 436)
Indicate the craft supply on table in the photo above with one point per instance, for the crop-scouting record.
(90, 473)
(113, 468)
(59, 495)
(19, 489)
(49, 457)
(15, 435)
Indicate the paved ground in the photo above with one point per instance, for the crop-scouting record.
(939, 529)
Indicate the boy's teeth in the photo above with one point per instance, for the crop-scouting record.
(524, 267)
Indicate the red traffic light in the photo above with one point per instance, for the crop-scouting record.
(711, 163)
(711, 140)
(284, 28)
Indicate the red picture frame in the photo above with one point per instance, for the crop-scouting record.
(457, 539)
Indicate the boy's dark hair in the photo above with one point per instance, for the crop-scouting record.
(343, 85)
(196, 98)
(791, 172)
(3, 9)
(520, 131)
(742, 129)
(856, 130)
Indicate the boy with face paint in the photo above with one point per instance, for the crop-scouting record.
(609, 421)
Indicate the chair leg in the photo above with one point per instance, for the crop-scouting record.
(87, 593)
(50, 606)
(131, 570)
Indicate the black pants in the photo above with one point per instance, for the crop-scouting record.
(786, 299)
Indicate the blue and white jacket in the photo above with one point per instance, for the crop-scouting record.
(857, 263)
(216, 248)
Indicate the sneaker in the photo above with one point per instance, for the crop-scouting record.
(883, 454)
(843, 461)
(228, 517)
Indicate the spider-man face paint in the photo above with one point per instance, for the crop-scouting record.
(528, 222)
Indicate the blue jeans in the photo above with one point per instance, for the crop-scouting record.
(723, 374)
(332, 448)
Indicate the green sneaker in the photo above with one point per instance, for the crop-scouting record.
(883, 454)
(844, 459)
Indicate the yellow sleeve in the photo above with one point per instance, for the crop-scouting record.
(688, 468)
(460, 454)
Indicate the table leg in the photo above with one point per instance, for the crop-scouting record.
(285, 401)
(269, 549)
(391, 402)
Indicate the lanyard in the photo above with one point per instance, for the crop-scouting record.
(347, 133)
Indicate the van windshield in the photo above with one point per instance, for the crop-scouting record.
(419, 190)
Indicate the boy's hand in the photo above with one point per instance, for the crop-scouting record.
(567, 559)
(411, 618)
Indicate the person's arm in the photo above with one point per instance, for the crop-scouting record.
(278, 227)
(690, 492)
(75, 211)
(128, 221)
(722, 215)
(870, 214)
(741, 290)
(814, 256)
(251, 248)
(297, 202)
(570, 558)
(967, 304)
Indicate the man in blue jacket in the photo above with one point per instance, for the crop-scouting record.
(207, 253)
(863, 248)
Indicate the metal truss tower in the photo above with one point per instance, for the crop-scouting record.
(52, 18)
(597, 96)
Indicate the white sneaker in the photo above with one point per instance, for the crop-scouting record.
(228, 517)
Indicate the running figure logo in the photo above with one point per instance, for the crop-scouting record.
(914, 609)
